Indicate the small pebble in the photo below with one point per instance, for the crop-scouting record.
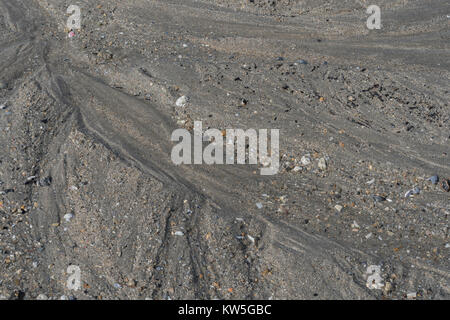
(378, 198)
(131, 283)
(45, 182)
(411, 295)
(305, 160)
(411, 192)
(68, 217)
(338, 207)
(322, 164)
(387, 288)
(30, 179)
(259, 205)
(179, 233)
(434, 179)
(446, 185)
(182, 101)
(42, 297)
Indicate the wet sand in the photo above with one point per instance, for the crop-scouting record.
(86, 131)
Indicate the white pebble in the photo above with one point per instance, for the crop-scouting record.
(355, 225)
(182, 101)
(305, 160)
(411, 295)
(68, 217)
(322, 164)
